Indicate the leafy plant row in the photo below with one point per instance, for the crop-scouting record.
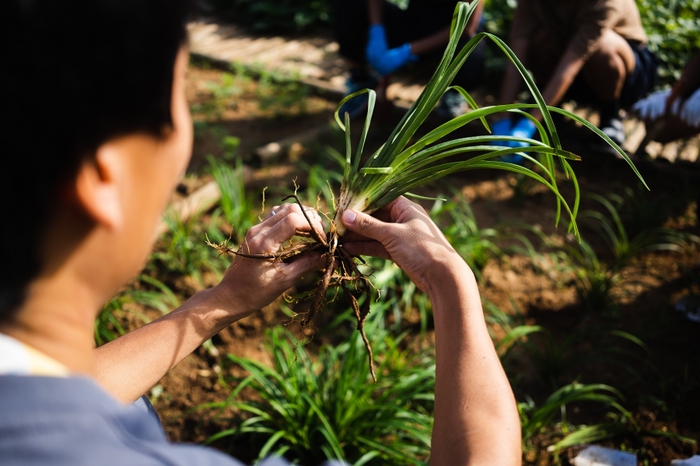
(311, 405)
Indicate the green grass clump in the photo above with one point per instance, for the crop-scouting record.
(596, 278)
(313, 409)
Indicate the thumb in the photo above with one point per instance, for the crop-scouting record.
(364, 224)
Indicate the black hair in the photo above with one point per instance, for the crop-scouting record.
(73, 74)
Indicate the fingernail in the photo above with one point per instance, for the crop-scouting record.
(349, 217)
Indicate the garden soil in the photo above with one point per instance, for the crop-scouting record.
(666, 401)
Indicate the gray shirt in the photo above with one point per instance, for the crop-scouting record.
(72, 421)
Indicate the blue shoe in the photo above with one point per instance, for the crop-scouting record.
(358, 80)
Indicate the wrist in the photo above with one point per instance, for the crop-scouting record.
(407, 50)
(447, 278)
(376, 29)
(221, 305)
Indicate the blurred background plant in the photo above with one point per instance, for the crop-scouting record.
(277, 15)
(671, 25)
(535, 419)
(475, 245)
(281, 94)
(237, 207)
(184, 253)
(596, 278)
(674, 34)
(128, 305)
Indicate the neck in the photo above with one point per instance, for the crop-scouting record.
(57, 319)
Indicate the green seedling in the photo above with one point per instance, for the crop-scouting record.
(403, 164)
(313, 410)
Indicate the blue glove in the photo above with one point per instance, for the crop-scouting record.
(501, 128)
(523, 128)
(393, 59)
(383, 59)
(376, 44)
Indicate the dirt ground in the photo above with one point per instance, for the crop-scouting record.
(665, 400)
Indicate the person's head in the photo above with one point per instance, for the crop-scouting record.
(95, 131)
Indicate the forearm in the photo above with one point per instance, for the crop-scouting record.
(476, 419)
(473, 24)
(440, 38)
(512, 80)
(568, 67)
(130, 365)
(690, 79)
(374, 10)
(432, 42)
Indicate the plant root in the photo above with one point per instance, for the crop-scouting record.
(361, 315)
(341, 271)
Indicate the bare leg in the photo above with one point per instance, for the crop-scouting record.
(607, 69)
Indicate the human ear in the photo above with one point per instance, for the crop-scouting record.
(98, 186)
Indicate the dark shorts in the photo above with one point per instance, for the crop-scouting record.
(637, 85)
(643, 78)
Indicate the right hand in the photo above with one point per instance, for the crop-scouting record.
(523, 128)
(403, 232)
(656, 105)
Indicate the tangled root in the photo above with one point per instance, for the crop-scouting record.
(341, 270)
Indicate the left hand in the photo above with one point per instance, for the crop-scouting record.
(403, 232)
(392, 59)
(523, 128)
(376, 44)
(656, 105)
(251, 284)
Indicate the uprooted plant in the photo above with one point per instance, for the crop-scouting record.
(400, 166)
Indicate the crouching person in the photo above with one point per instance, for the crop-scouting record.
(591, 51)
(674, 113)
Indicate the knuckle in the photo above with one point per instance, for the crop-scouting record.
(295, 219)
(365, 223)
(286, 208)
(252, 244)
(289, 225)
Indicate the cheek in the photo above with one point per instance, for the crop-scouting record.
(185, 149)
(184, 137)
